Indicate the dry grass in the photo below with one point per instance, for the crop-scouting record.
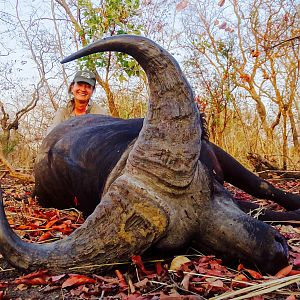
(239, 137)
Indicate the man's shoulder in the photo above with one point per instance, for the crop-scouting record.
(96, 108)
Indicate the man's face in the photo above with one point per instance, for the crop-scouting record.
(82, 93)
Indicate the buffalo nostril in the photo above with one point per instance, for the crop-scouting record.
(277, 257)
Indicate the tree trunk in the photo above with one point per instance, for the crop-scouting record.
(284, 142)
(111, 101)
(295, 132)
(262, 113)
(5, 137)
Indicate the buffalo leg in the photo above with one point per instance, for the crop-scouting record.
(236, 174)
(276, 217)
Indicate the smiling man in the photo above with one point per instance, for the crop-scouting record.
(81, 90)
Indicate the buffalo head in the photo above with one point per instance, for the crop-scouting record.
(163, 197)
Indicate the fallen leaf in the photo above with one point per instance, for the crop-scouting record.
(252, 273)
(177, 262)
(75, 280)
(284, 272)
(217, 283)
(3, 285)
(142, 283)
(64, 228)
(57, 278)
(35, 278)
(160, 270)
(238, 281)
(22, 287)
(186, 281)
(296, 262)
(294, 272)
(36, 274)
(137, 260)
(33, 281)
(291, 297)
(45, 236)
(78, 291)
(122, 282)
(51, 223)
(106, 279)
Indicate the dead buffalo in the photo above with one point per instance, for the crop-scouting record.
(70, 174)
(154, 188)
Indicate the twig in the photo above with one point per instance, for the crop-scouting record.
(6, 270)
(49, 240)
(285, 41)
(286, 221)
(102, 295)
(259, 289)
(255, 213)
(215, 277)
(161, 284)
(99, 266)
(179, 287)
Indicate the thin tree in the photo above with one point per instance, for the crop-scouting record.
(91, 22)
(239, 41)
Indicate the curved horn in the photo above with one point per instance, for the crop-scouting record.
(169, 143)
(114, 232)
(165, 155)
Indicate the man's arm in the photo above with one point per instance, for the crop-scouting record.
(59, 117)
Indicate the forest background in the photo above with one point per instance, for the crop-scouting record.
(241, 57)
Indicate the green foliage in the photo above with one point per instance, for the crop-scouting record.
(110, 17)
(130, 66)
(225, 48)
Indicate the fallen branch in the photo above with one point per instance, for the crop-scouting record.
(12, 172)
(261, 163)
(279, 174)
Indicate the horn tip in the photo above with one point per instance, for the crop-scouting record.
(65, 60)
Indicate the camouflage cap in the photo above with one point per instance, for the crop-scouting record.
(85, 76)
